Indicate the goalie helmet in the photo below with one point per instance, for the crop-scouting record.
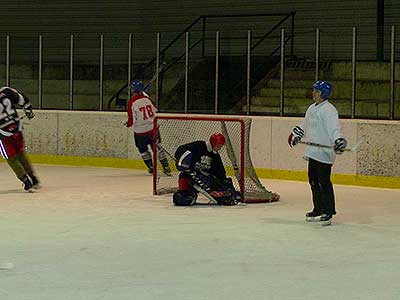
(217, 139)
(137, 85)
(324, 87)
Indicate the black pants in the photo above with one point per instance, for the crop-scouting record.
(142, 141)
(319, 177)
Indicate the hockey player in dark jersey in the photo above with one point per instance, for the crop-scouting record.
(12, 146)
(202, 171)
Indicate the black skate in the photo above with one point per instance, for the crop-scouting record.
(27, 183)
(150, 170)
(325, 220)
(35, 182)
(313, 216)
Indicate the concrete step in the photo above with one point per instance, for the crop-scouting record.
(343, 71)
(365, 90)
(61, 101)
(81, 71)
(289, 92)
(298, 74)
(363, 109)
(275, 109)
(276, 83)
(365, 70)
(60, 86)
(273, 100)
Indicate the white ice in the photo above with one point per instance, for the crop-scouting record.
(98, 233)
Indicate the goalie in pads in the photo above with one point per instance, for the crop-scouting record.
(201, 170)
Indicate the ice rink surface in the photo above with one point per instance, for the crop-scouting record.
(98, 233)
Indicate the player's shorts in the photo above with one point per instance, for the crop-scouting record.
(142, 141)
(12, 145)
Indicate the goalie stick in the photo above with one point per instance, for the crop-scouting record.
(154, 78)
(352, 149)
(193, 175)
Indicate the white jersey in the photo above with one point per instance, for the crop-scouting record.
(141, 112)
(321, 126)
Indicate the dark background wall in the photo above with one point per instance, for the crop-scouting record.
(56, 20)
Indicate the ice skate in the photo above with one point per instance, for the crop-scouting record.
(150, 170)
(27, 184)
(35, 182)
(313, 216)
(325, 220)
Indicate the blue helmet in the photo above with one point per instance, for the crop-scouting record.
(137, 85)
(324, 87)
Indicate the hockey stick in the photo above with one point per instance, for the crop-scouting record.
(352, 149)
(25, 122)
(205, 193)
(155, 76)
(195, 186)
(6, 266)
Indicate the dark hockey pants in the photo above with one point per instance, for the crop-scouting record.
(319, 177)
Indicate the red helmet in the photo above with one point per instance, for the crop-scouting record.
(217, 139)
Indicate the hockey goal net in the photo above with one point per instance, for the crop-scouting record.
(176, 130)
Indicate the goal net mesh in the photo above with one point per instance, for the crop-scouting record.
(178, 130)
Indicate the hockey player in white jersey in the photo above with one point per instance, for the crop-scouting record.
(320, 126)
(141, 112)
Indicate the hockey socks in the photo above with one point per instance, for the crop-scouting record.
(25, 163)
(16, 166)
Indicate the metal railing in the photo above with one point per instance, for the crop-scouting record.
(389, 104)
(203, 20)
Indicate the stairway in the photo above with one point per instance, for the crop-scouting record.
(201, 85)
(372, 89)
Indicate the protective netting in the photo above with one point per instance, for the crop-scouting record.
(178, 130)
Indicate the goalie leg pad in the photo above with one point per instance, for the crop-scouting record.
(225, 193)
(225, 197)
(185, 198)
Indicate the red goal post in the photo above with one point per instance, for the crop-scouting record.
(177, 129)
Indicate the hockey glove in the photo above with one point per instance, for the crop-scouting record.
(340, 145)
(29, 113)
(295, 136)
(293, 140)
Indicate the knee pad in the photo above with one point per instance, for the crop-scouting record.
(184, 198)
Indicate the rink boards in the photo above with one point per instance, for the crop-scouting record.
(101, 139)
